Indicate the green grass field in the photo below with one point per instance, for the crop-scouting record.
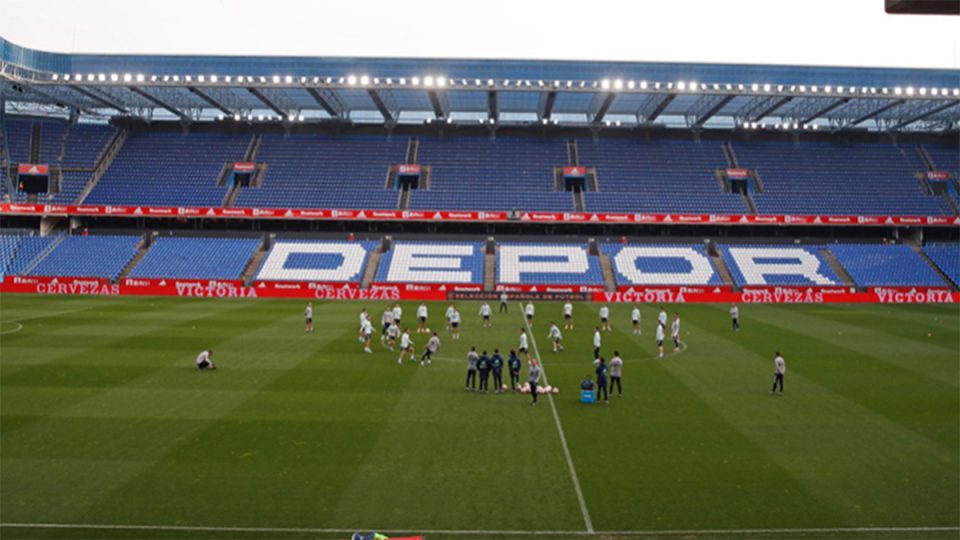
(106, 424)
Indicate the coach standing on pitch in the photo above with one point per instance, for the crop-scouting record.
(779, 370)
(497, 363)
(514, 364)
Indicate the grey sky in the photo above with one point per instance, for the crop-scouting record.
(809, 32)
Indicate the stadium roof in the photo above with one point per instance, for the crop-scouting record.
(491, 92)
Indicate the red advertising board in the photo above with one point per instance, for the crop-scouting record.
(410, 169)
(32, 169)
(575, 172)
(244, 167)
(938, 176)
(738, 174)
(438, 291)
(467, 216)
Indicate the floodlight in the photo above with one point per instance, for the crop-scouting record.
(618, 84)
(493, 120)
(618, 123)
(300, 117)
(276, 79)
(153, 78)
(441, 81)
(544, 121)
(364, 80)
(840, 89)
(631, 85)
(376, 80)
(66, 77)
(403, 81)
(449, 120)
(643, 85)
(188, 78)
(260, 117)
(923, 90)
(569, 84)
(201, 78)
(288, 79)
(605, 84)
(694, 86)
(127, 77)
(262, 79)
(803, 88)
(415, 81)
(934, 91)
(220, 116)
(909, 90)
(490, 82)
(166, 78)
(236, 117)
(176, 78)
(352, 80)
(755, 87)
(681, 86)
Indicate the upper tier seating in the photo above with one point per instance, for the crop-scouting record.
(323, 171)
(827, 178)
(316, 260)
(778, 265)
(547, 264)
(662, 264)
(947, 259)
(196, 258)
(657, 176)
(891, 265)
(169, 169)
(432, 262)
(479, 173)
(89, 256)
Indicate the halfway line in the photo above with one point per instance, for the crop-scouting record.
(563, 438)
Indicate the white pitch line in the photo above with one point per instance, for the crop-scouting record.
(17, 329)
(563, 438)
(477, 532)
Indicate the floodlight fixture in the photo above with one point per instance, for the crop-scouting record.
(236, 117)
(755, 87)
(442, 81)
(352, 80)
(365, 80)
(415, 81)
(910, 90)
(288, 79)
(300, 118)
(643, 85)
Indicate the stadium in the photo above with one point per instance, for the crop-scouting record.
(157, 206)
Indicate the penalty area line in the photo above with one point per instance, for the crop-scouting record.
(563, 438)
(469, 532)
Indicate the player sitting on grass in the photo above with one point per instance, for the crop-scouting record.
(555, 337)
(204, 360)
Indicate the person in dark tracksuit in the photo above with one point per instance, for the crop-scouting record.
(483, 366)
(497, 363)
(601, 364)
(534, 378)
(472, 358)
(514, 364)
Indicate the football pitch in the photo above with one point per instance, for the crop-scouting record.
(109, 431)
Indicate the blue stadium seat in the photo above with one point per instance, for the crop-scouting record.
(947, 259)
(795, 265)
(426, 270)
(891, 265)
(828, 178)
(169, 169)
(657, 176)
(509, 270)
(196, 258)
(323, 171)
(671, 261)
(89, 256)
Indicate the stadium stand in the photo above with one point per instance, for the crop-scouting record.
(88, 256)
(18, 132)
(479, 173)
(829, 178)
(159, 168)
(947, 259)
(323, 171)
(778, 265)
(891, 265)
(432, 262)
(316, 260)
(666, 264)
(547, 264)
(196, 258)
(657, 176)
(20, 251)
